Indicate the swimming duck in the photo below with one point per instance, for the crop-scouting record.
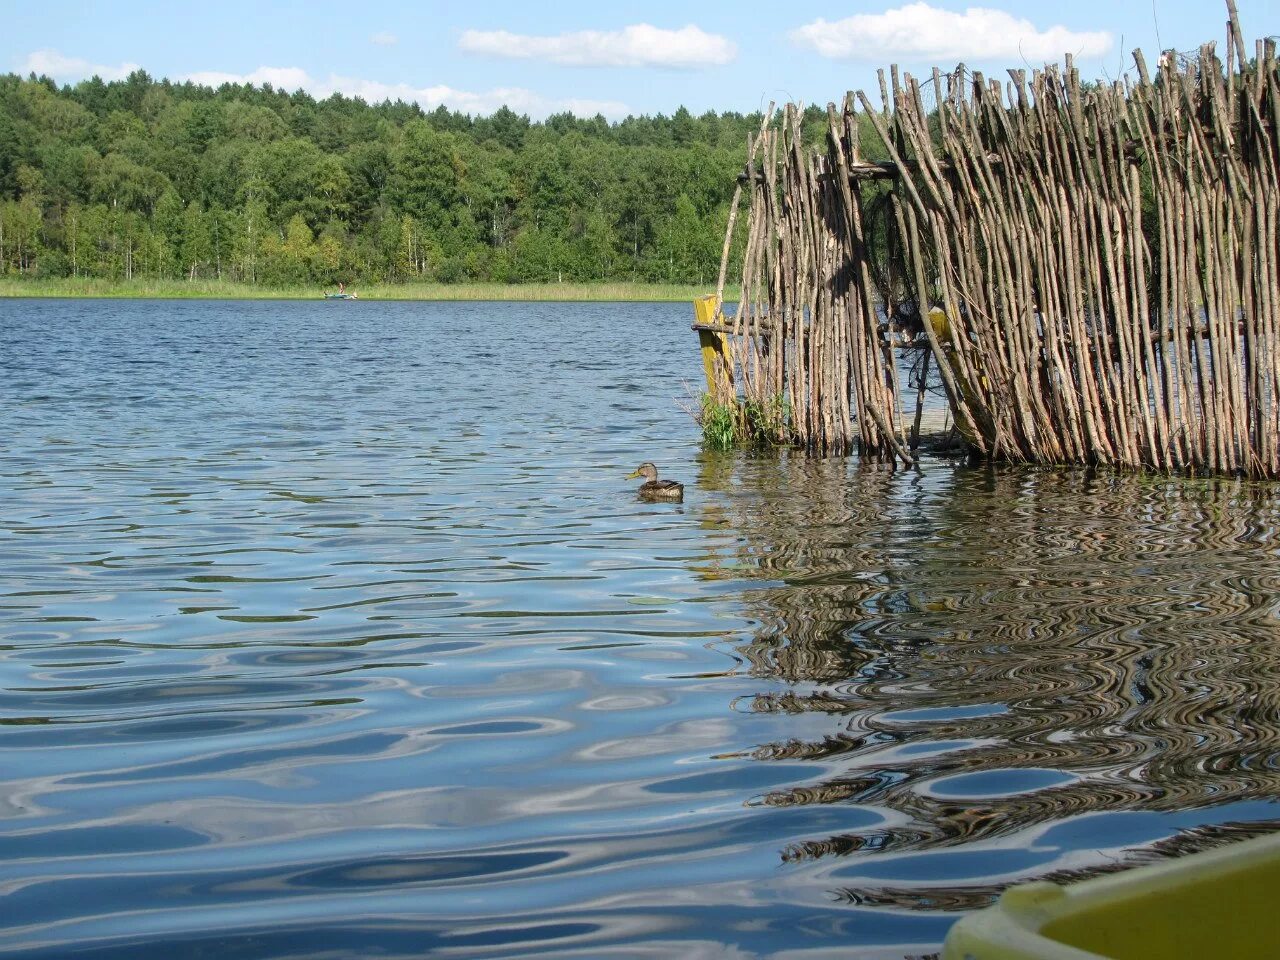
(655, 489)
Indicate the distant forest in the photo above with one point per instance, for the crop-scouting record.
(146, 178)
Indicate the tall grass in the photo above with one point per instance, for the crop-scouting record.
(225, 289)
(744, 423)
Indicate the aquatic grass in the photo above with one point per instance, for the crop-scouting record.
(74, 287)
(717, 422)
(744, 422)
(766, 422)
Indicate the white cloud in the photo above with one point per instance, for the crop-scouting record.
(384, 39)
(282, 78)
(480, 102)
(375, 91)
(639, 45)
(918, 32)
(53, 64)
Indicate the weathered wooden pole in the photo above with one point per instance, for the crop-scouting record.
(1104, 257)
(716, 361)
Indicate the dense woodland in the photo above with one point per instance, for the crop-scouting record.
(143, 178)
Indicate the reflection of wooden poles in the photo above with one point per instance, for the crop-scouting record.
(1061, 648)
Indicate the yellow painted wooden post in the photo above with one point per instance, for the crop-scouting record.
(715, 354)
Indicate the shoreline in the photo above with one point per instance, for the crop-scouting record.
(86, 289)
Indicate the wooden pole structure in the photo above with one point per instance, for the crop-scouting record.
(1105, 257)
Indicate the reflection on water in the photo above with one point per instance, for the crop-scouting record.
(333, 629)
(1023, 661)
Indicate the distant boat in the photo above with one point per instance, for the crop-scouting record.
(340, 296)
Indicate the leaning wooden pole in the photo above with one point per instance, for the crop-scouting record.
(1093, 269)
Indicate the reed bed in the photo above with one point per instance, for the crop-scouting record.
(1095, 269)
(217, 289)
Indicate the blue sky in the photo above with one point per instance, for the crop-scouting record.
(586, 56)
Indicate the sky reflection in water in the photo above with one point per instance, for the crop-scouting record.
(328, 629)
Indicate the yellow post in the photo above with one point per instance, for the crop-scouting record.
(715, 353)
(941, 324)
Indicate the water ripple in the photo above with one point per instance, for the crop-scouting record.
(329, 633)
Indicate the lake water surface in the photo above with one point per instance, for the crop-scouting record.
(332, 629)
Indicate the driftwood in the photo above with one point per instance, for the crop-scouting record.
(1106, 257)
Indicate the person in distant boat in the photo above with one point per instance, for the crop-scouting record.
(342, 287)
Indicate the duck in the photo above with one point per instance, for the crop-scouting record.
(655, 489)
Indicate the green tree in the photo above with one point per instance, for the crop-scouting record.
(197, 241)
(140, 177)
(296, 252)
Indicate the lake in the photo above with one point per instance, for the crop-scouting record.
(333, 629)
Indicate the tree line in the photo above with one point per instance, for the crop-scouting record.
(144, 178)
